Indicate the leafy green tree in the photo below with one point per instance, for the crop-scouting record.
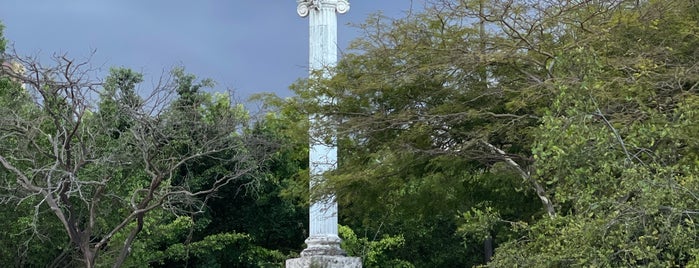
(425, 133)
(3, 42)
(101, 168)
(204, 210)
(615, 146)
(541, 129)
(262, 208)
(253, 221)
(373, 253)
(24, 238)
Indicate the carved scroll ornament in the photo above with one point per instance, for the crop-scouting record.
(305, 6)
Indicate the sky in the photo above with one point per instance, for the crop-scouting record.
(249, 46)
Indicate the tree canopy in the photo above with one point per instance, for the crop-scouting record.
(471, 133)
(109, 173)
(530, 132)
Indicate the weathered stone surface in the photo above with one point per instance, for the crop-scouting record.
(326, 244)
(323, 244)
(324, 262)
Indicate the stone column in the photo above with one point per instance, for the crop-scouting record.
(323, 244)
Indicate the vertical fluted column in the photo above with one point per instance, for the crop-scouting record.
(323, 237)
(323, 243)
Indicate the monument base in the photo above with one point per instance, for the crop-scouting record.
(324, 262)
(323, 251)
(323, 245)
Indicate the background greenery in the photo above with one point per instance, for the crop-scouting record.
(497, 133)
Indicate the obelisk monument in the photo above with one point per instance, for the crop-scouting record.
(323, 243)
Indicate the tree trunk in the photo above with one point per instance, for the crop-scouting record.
(89, 255)
(126, 249)
(488, 248)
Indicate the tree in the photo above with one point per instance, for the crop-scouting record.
(3, 42)
(626, 185)
(251, 222)
(422, 130)
(102, 168)
(19, 244)
(519, 125)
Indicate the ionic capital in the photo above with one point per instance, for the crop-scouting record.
(305, 6)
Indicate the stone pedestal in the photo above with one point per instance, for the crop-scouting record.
(324, 262)
(324, 252)
(323, 245)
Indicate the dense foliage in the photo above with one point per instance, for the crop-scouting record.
(109, 173)
(497, 133)
(538, 133)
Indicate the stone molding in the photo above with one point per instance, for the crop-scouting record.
(324, 262)
(323, 245)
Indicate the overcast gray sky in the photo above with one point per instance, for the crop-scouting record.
(247, 45)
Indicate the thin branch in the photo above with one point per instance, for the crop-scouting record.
(540, 192)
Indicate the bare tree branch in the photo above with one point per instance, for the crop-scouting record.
(70, 148)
